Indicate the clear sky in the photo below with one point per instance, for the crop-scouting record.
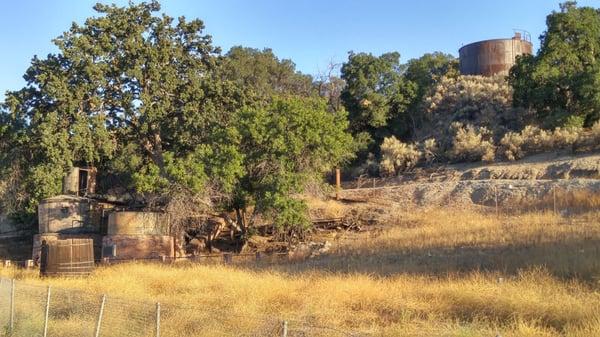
(310, 32)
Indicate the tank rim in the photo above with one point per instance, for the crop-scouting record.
(493, 40)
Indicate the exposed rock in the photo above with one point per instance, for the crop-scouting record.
(309, 250)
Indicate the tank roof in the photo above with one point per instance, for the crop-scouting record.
(493, 40)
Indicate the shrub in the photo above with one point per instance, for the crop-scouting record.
(371, 167)
(566, 137)
(477, 100)
(589, 140)
(511, 145)
(536, 139)
(593, 137)
(471, 144)
(397, 156)
(532, 140)
(429, 149)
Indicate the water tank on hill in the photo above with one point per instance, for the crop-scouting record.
(493, 57)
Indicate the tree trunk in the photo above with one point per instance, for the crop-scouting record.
(241, 220)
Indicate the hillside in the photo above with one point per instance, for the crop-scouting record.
(530, 181)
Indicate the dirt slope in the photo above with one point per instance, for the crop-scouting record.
(532, 181)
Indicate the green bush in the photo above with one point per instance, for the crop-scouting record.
(471, 144)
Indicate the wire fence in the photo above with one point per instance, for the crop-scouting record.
(29, 310)
(252, 260)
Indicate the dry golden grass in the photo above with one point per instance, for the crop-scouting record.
(324, 208)
(439, 242)
(393, 283)
(441, 228)
(575, 201)
(531, 303)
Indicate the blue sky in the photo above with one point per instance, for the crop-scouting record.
(310, 32)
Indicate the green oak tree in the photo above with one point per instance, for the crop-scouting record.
(131, 84)
(262, 75)
(561, 83)
(376, 96)
(149, 99)
(286, 143)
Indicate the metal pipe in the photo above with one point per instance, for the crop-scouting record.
(47, 312)
(100, 314)
(12, 305)
(157, 319)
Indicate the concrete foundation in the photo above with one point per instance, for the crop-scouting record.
(139, 246)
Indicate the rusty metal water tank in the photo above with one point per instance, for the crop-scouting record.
(72, 257)
(493, 57)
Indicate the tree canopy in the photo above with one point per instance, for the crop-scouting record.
(562, 82)
(384, 97)
(375, 93)
(263, 75)
(286, 144)
(150, 99)
(426, 71)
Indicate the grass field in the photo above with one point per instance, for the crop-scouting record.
(435, 273)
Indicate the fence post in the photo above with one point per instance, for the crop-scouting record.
(554, 198)
(496, 200)
(338, 184)
(284, 330)
(12, 305)
(99, 323)
(47, 312)
(157, 319)
(258, 256)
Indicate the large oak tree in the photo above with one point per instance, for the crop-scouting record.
(150, 99)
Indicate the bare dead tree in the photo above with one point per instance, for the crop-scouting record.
(330, 85)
